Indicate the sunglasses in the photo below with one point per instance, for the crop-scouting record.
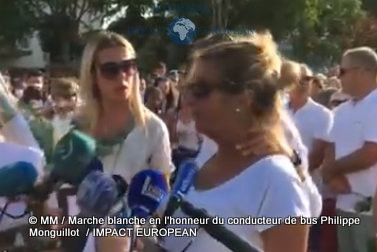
(307, 78)
(201, 90)
(344, 71)
(111, 70)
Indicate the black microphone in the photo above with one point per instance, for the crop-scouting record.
(219, 232)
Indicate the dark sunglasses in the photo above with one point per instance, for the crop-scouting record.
(111, 70)
(343, 71)
(201, 90)
(307, 78)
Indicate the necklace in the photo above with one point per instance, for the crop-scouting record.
(105, 147)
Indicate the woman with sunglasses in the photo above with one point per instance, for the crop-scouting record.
(130, 138)
(227, 101)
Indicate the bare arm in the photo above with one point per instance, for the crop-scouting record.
(317, 154)
(292, 238)
(358, 160)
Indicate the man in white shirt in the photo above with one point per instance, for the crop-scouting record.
(312, 120)
(353, 171)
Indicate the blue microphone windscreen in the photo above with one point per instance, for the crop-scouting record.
(185, 178)
(17, 178)
(147, 190)
(97, 194)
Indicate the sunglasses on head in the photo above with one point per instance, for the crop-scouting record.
(111, 70)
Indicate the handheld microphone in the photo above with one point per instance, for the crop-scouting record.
(185, 178)
(219, 232)
(17, 178)
(147, 190)
(97, 194)
(73, 159)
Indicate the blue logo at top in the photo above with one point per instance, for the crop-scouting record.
(181, 31)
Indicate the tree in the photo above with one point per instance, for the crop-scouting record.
(15, 24)
(325, 30)
(60, 22)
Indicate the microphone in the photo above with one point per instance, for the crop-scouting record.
(147, 190)
(97, 194)
(184, 180)
(219, 232)
(73, 159)
(17, 178)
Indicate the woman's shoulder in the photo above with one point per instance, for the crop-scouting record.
(275, 167)
(153, 122)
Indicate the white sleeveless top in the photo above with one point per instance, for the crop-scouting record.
(187, 135)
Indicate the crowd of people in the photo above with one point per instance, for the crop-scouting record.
(271, 138)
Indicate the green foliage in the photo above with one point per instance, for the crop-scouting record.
(15, 22)
(325, 30)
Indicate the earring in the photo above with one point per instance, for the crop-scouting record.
(238, 110)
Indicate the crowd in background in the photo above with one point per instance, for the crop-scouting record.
(312, 100)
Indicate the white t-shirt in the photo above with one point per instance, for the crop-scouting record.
(268, 188)
(138, 152)
(209, 147)
(313, 121)
(355, 124)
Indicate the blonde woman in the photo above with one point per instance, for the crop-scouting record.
(129, 136)
(227, 100)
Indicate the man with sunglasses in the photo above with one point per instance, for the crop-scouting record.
(313, 122)
(354, 148)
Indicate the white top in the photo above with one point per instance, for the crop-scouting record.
(313, 121)
(187, 135)
(17, 131)
(138, 152)
(61, 127)
(355, 124)
(209, 147)
(268, 188)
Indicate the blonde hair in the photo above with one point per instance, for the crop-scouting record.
(253, 64)
(289, 74)
(89, 91)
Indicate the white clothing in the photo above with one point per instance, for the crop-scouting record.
(209, 147)
(187, 135)
(61, 126)
(270, 187)
(9, 154)
(138, 152)
(355, 124)
(313, 121)
(18, 131)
